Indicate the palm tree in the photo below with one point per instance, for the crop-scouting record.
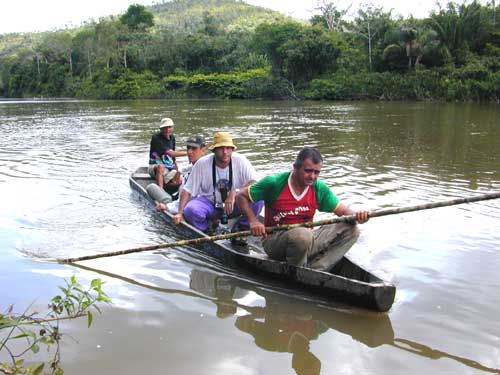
(457, 26)
(412, 41)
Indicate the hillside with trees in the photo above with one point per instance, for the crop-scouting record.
(229, 49)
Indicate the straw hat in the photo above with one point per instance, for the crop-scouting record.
(166, 122)
(222, 139)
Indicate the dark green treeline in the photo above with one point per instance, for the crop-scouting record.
(229, 49)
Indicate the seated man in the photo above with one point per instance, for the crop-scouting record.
(195, 150)
(293, 198)
(162, 152)
(214, 182)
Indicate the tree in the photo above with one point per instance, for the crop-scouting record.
(404, 40)
(297, 53)
(458, 28)
(107, 32)
(165, 53)
(19, 75)
(135, 40)
(137, 18)
(58, 45)
(309, 55)
(331, 15)
(85, 43)
(268, 38)
(210, 24)
(494, 13)
(370, 24)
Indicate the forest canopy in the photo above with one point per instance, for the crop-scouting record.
(229, 49)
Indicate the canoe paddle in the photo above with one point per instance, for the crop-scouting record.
(341, 219)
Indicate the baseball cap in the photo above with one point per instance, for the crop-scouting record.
(196, 141)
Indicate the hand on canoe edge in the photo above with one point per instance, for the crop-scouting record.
(161, 207)
(258, 229)
(177, 218)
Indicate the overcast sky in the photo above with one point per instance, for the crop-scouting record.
(43, 15)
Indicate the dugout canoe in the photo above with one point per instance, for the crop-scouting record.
(347, 283)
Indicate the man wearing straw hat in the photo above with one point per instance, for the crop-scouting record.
(162, 153)
(293, 198)
(214, 182)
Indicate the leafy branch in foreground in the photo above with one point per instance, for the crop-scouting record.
(27, 332)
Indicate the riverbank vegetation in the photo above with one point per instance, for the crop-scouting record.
(23, 335)
(228, 49)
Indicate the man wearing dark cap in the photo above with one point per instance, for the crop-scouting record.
(162, 152)
(196, 148)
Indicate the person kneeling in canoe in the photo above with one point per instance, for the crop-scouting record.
(196, 149)
(293, 198)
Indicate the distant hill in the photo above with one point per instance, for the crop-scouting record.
(188, 15)
(185, 16)
(176, 15)
(15, 43)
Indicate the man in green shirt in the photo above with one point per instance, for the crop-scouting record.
(293, 198)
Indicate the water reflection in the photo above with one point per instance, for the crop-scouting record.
(282, 332)
(68, 195)
(280, 323)
(425, 351)
(283, 325)
(220, 288)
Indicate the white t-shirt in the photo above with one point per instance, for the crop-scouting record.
(200, 182)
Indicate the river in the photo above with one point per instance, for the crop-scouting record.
(64, 168)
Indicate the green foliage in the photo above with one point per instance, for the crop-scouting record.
(297, 53)
(187, 16)
(137, 17)
(36, 331)
(459, 28)
(132, 85)
(370, 26)
(120, 84)
(448, 84)
(269, 39)
(229, 49)
(311, 54)
(250, 84)
(395, 57)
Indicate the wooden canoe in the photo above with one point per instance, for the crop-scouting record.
(346, 283)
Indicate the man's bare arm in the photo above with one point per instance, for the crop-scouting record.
(344, 210)
(184, 199)
(244, 203)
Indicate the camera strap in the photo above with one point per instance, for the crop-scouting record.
(214, 177)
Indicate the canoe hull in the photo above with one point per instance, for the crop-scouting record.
(348, 282)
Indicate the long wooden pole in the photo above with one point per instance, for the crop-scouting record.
(342, 219)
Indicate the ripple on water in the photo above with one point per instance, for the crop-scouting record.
(68, 195)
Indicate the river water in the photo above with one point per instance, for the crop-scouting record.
(64, 168)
